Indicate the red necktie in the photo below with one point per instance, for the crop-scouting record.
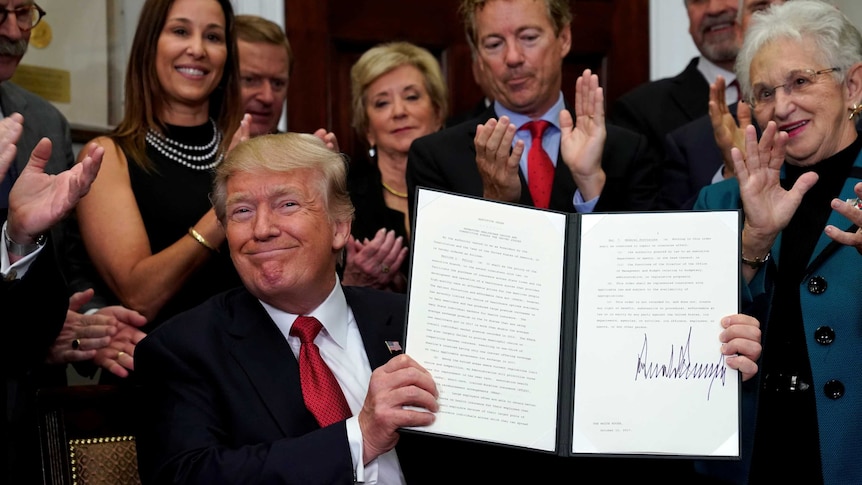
(320, 390)
(735, 85)
(540, 169)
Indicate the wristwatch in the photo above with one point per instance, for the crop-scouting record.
(23, 249)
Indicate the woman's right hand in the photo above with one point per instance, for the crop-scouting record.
(376, 263)
(767, 205)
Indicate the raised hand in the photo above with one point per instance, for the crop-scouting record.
(582, 140)
(38, 200)
(497, 166)
(852, 210)
(328, 138)
(728, 133)
(376, 263)
(11, 128)
(768, 207)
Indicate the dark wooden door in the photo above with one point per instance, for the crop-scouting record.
(611, 37)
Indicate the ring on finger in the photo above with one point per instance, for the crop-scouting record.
(384, 268)
(76, 344)
(120, 354)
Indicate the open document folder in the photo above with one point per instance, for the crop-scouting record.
(576, 333)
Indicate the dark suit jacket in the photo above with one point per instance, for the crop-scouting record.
(223, 397)
(658, 107)
(692, 159)
(446, 160)
(34, 309)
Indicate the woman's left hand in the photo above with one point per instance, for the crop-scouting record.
(851, 210)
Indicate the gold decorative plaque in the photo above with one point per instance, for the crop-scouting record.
(41, 35)
(52, 84)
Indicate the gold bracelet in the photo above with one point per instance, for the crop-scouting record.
(197, 237)
(755, 263)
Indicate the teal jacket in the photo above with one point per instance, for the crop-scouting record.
(839, 307)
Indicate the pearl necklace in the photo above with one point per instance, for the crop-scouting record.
(179, 152)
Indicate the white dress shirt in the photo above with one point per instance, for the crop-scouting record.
(342, 349)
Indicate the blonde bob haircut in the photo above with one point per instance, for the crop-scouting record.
(383, 58)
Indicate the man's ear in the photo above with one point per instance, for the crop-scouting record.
(340, 234)
(565, 40)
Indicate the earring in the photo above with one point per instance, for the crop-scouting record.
(855, 110)
(372, 152)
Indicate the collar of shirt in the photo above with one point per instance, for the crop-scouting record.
(711, 71)
(332, 314)
(551, 140)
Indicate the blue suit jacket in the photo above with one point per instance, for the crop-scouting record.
(840, 307)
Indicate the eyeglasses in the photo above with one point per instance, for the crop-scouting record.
(26, 17)
(796, 82)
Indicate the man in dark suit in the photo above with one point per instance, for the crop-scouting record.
(32, 289)
(221, 383)
(520, 46)
(658, 107)
(693, 156)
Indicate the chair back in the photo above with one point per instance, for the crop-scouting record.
(87, 435)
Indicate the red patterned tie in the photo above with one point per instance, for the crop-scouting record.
(540, 169)
(320, 390)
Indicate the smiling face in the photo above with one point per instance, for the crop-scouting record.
(814, 117)
(520, 54)
(13, 40)
(282, 241)
(263, 73)
(399, 110)
(713, 28)
(191, 52)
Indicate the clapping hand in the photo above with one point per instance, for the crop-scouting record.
(582, 143)
(852, 210)
(497, 160)
(728, 133)
(376, 262)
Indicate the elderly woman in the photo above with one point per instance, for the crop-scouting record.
(398, 96)
(800, 69)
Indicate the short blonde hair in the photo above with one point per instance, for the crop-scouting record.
(282, 153)
(383, 58)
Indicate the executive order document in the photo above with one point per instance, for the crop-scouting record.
(576, 333)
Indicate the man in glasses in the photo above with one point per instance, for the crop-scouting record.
(40, 120)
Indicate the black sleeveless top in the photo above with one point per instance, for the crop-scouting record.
(172, 198)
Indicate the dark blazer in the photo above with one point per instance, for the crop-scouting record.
(446, 160)
(691, 161)
(658, 107)
(43, 120)
(34, 309)
(223, 397)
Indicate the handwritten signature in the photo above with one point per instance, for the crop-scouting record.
(681, 367)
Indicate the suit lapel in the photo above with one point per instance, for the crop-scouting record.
(377, 325)
(691, 93)
(255, 342)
